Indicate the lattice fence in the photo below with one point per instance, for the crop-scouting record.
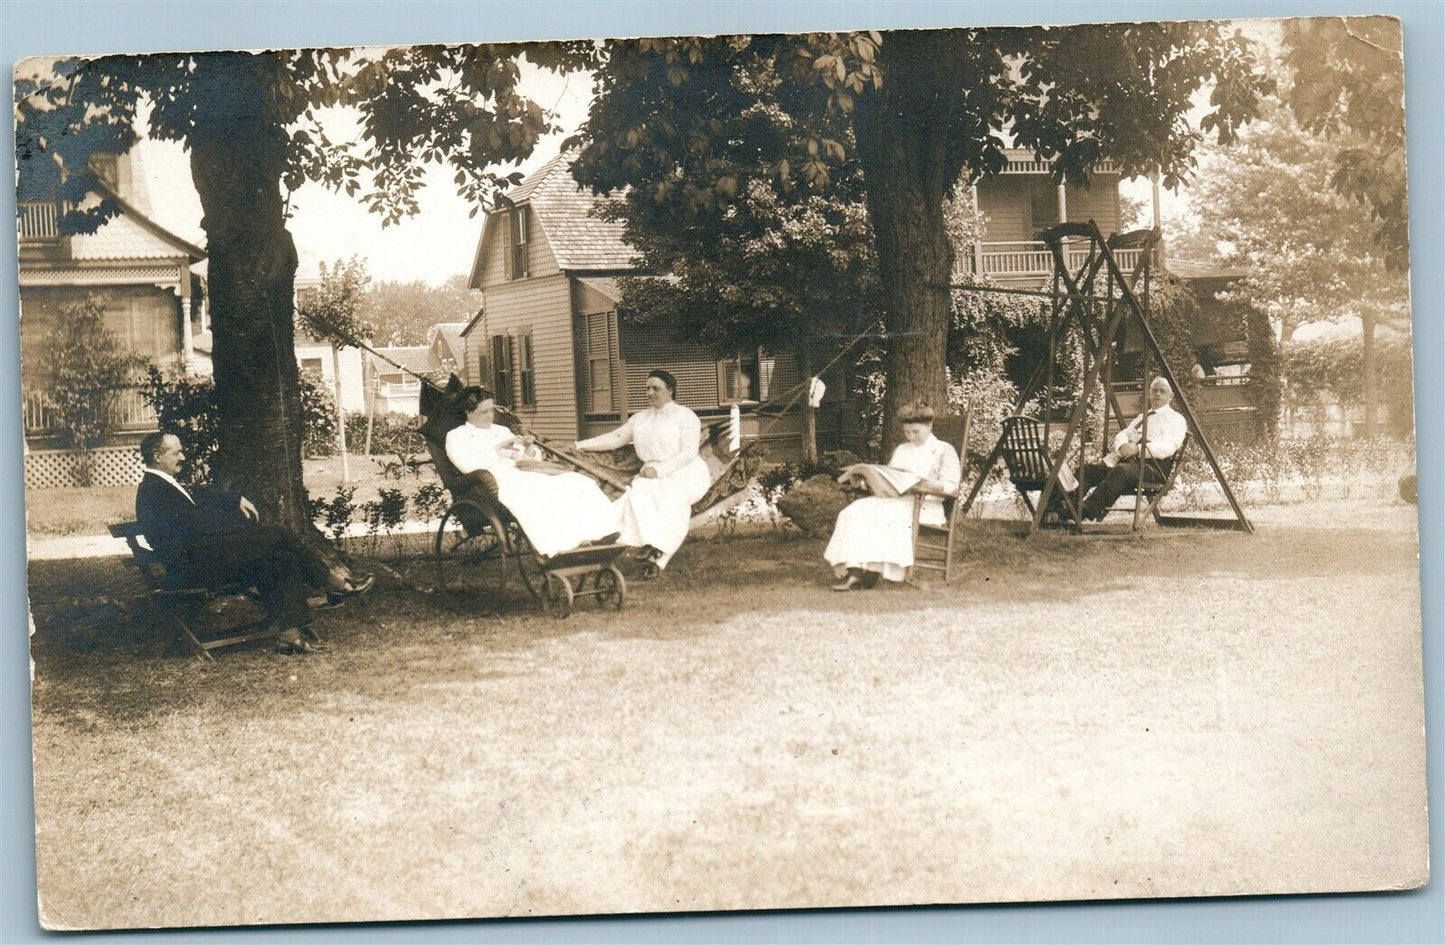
(58, 469)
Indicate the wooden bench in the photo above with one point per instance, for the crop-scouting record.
(1027, 458)
(179, 608)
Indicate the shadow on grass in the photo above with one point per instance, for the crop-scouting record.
(94, 647)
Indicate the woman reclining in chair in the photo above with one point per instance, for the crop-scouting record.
(874, 535)
(557, 511)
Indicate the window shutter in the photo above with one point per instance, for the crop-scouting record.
(525, 375)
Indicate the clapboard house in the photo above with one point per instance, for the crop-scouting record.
(549, 339)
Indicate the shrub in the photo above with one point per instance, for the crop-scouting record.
(391, 433)
(86, 367)
(186, 406)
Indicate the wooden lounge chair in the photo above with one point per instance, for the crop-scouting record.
(181, 608)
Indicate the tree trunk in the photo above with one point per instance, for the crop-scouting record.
(1371, 380)
(902, 149)
(810, 415)
(238, 154)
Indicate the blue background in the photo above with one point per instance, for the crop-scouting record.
(82, 27)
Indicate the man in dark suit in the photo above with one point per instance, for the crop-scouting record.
(210, 538)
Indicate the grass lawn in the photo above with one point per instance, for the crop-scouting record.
(1184, 714)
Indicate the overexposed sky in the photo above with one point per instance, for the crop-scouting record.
(436, 243)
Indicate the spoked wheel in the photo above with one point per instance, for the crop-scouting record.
(529, 563)
(559, 596)
(611, 588)
(471, 551)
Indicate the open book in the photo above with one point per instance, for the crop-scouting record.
(887, 481)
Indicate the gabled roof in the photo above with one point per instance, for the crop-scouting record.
(451, 335)
(416, 359)
(1197, 269)
(132, 235)
(562, 211)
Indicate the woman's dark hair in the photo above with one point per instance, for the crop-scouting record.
(471, 396)
(916, 412)
(666, 378)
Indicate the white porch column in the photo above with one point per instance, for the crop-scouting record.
(1063, 206)
(978, 243)
(188, 340)
(1155, 195)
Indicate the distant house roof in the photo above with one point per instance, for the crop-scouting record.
(450, 334)
(580, 241)
(416, 359)
(1198, 269)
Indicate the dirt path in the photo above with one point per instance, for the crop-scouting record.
(1197, 715)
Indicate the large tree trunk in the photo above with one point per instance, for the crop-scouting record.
(238, 154)
(1372, 393)
(902, 148)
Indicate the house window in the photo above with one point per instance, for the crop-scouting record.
(105, 167)
(745, 378)
(311, 367)
(526, 379)
(598, 346)
(519, 221)
(502, 369)
(1043, 202)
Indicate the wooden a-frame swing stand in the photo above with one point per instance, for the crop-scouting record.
(1094, 306)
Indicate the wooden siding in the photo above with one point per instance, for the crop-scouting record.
(1008, 203)
(1004, 201)
(1099, 203)
(541, 264)
(544, 307)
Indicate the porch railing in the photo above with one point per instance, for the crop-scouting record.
(1015, 258)
(37, 222)
(130, 412)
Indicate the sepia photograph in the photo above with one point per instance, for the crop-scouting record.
(689, 474)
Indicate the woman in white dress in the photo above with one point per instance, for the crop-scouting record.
(873, 536)
(655, 510)
(557, 512)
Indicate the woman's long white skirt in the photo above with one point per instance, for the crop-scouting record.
(657, 511)
(874, 534)
(558, 512)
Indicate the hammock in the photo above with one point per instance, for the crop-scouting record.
(613, 469)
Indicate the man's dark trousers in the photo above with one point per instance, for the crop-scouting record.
(208, 542)
(267, 556)
(1108, 484)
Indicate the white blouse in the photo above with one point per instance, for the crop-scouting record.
(931, 459)
(666, 438)
(471, 447)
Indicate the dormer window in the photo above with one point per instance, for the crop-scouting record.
(518, 223)
(104, 167)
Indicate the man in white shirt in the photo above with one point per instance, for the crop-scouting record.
(1153, 436)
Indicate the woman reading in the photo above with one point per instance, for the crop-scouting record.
(557, 511)
(655, 510)
(873, 536)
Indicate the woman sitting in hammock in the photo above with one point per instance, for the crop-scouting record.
(873, 536)
(557, 511)
(657, 507)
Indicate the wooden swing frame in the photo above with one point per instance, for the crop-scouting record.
(1101, 300)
